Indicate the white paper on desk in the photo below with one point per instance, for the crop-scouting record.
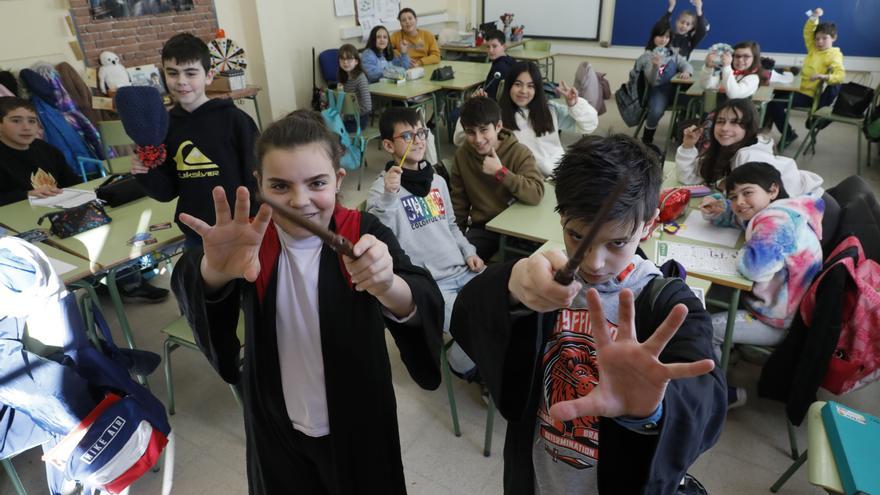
(67, 199)
(704, 259)
(61, 267)
(698, 229)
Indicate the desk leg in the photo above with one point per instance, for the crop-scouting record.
(502, 248)
(785, 126)
(728, 333)
(789, 472)
(553, 69)
(672, 119)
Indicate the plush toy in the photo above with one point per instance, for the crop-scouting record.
(112, 74)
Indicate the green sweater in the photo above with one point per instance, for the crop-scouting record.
(480, 196)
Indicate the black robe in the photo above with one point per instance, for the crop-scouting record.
(360, 399)
(507, 348)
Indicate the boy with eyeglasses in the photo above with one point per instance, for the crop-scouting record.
(414, 203)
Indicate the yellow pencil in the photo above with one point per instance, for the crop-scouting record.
(406, 153)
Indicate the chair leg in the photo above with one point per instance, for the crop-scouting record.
(859, 152)
(169, 383)
(447, 377)
(490, 421)
(789, 472)
(792, 439)
(13, 477)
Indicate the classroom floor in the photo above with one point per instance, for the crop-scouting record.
(210, 453)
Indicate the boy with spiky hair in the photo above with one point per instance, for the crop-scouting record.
(619, 361)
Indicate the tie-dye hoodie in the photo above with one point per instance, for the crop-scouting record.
(782, 255)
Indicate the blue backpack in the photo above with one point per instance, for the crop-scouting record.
(354, 149)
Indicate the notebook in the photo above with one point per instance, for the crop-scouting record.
(855, 442)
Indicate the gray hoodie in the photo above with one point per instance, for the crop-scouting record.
(424, 226)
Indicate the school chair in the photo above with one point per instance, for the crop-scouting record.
(362, 136)
(179, 334)
(328, 62)
(819, 118)
(113, 136)
(821, 467)
(453, 410)
(13, 476)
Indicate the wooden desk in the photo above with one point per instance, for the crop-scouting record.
(461, 67)
(545, 60)
(478, 50)
(408, 92)
(248, 93)
(104, 249)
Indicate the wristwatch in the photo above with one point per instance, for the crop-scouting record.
(501, 173)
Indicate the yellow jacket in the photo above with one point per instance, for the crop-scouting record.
(819, 62)
(422, 47)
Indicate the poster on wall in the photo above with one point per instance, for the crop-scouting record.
(377, 11)
(116, 9)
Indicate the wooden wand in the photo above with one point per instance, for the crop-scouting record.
(338, 243)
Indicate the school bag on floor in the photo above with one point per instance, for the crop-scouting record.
(856, 359)
(333, 117)
(629, 99)
(592, 86)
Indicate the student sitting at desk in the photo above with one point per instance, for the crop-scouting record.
(782, 253)
(607, 383)
(535, 120)
(739, 75)
(735, 139)
(501, 63)
(824, 62)
(420, 44)
(491, 170)
(413, 201)
(379, 54)
(29, 167)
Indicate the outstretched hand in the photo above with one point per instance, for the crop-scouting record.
(232, 244)
(632, 379)
(570, 93)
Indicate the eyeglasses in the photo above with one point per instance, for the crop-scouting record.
(347, 58)
(408, 136)
(742, 56)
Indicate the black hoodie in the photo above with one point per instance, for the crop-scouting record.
(211, 146)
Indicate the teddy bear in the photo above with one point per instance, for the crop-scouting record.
(112, 74)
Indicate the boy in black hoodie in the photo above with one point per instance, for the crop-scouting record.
(210, 142)
(617, 363)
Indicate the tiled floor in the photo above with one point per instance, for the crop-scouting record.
(751, 454)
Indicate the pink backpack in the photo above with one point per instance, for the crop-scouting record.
(856, 359)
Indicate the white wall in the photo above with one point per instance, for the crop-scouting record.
(34, 30)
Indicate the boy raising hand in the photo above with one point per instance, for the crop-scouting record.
(620, 360)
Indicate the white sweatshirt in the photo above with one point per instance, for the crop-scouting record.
(744, 87)
(582, 118)
(796, 182)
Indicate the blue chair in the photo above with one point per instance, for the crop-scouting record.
(328, 62)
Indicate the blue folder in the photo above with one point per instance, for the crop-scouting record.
(855, 441)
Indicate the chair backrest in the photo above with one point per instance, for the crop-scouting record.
(538, 46)
(350, 107)
(113, 134)
(328, 61)
(499, 90)
(859, 215)
(872, 118)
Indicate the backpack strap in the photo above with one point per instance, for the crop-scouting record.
(657, 286)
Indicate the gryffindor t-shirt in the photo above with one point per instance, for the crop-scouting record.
(564, 454)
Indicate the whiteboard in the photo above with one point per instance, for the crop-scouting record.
(560, 19)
